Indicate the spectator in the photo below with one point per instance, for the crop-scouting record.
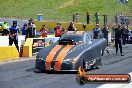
(97, 18)
(29, 31)
(125, 35)
(71, 27)
(127, 21)
(33, 29)
(123, 19)
(84, 27)
(88, 17)
(30, 20)
(118, 39)
(105, 32)
(59, 30)
(24, 29)
(77, 17)
(44, 31)
(5, 27)
(73, 16)
(105, 19)
(116, 19)
(96, 32)
(13, 35)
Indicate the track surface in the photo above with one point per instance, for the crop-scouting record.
(20, 74)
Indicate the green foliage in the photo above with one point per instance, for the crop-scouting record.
(62, 10)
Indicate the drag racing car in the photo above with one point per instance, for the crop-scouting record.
(72, 50)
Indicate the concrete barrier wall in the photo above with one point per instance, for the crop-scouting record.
(27, 48)
(4, 40)
(8, 53)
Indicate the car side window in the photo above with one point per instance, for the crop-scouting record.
(88, 39)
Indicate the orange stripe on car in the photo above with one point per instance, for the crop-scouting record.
(70, 32)
(61, 56)
(79, 32)
(50, 56)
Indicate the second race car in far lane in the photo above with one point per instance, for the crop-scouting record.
(72, 50)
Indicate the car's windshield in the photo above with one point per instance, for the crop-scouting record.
(75, 38)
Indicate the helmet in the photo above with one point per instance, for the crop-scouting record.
(58, 23)
(5, 22)
(25, 24)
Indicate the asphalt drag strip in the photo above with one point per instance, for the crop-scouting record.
(20, 74)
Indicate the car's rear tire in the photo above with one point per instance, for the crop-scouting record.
(102, 52)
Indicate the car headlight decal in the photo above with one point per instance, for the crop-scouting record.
(70, 60)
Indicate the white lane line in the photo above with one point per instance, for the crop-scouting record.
(129, 85)
(13, 61)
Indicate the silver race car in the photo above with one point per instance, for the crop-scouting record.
(72, 50)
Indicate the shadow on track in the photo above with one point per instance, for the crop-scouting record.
(51, 72)
(60, 72)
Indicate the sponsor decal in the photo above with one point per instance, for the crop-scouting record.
(83, 78)
(51, 56)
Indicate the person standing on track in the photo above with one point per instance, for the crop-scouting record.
(118, 39)
(125, 35)
(13, 34)
(105, 32)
